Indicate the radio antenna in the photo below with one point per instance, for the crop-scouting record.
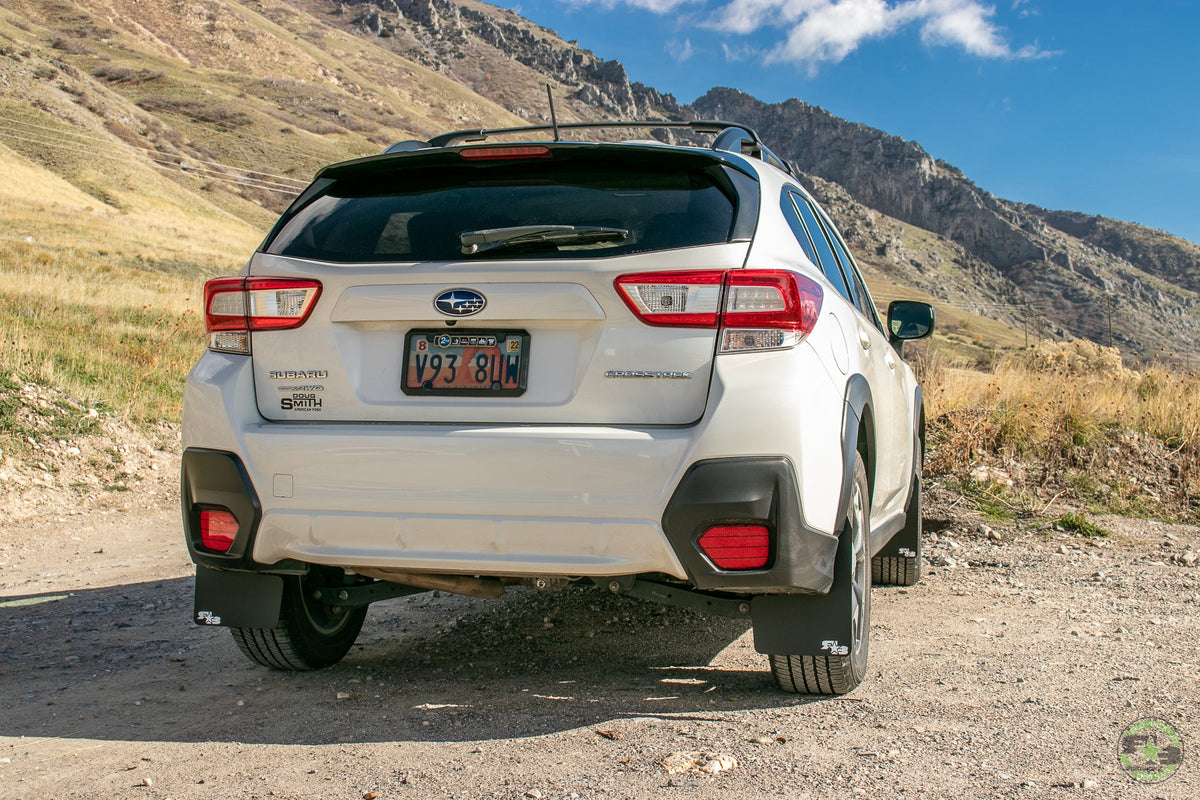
(553, 116)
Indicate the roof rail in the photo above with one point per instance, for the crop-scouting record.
(731, 137)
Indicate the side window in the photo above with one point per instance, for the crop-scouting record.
(787, 205)
(828, 262)
(862, 298)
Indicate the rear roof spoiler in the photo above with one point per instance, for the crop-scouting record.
(731, 137)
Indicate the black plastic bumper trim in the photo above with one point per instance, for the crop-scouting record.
(754, 491)
(217, 479)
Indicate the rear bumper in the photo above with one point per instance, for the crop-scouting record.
(711, 492)
(524, 501)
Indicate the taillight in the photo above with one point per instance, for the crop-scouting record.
(218, 528)
(768, 310)
(737, 546)
(235, 306)
(687, 299)
(754, 309)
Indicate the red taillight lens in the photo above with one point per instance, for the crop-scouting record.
(217, 529)
(278, 304)
(755, 309)
(225, 304)
(768, 310)
(683, 299)
(506, 153)
(235, 306)
(737, 546)
(771, 299)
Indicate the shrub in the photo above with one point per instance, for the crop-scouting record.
(1078, 523)
(1077, 422)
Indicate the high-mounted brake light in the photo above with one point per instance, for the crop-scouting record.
(505, 153)
(754, 309)
(218, 527)
(235, 306)
(737, 546)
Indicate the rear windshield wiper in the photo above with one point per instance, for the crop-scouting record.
(474, 242)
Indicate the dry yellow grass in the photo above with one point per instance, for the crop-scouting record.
(1070, 418)
(115, 337)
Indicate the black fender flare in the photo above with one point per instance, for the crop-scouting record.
(858, 399)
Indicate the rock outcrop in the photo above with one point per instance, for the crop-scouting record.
(1081, 276)
(447, 31)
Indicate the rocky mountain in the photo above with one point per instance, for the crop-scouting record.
(503, 57)
(1068, 274)
(1076, 270)
(231, 104)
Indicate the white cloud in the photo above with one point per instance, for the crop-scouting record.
(826, 31)
(958, 22)
(747, 16)
(741, 53)
(654, 6)
(680, 51)
(831, 31)
(1020, 7)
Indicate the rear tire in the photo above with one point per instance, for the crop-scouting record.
(904, 570)
(310, 635)
(839, 674)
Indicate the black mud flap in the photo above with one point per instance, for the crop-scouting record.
(907, 541)
(807, 625)
(237, 599)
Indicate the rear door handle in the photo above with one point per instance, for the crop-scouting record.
(864, 339)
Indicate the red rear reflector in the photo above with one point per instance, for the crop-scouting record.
(737, 546)
(508, 152)
(217, 529)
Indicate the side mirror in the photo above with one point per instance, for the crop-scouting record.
(908, 319)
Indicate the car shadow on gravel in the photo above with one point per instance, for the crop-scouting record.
(125, 663)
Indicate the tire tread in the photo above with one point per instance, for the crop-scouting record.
(290, 645)
(829, 675)
(895, 570)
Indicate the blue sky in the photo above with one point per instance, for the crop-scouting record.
(1084, 105)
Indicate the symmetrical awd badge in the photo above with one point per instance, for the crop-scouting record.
(459, 302)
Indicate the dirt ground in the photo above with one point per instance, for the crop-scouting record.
(1010, 671)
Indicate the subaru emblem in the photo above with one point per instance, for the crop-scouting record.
(459, 302)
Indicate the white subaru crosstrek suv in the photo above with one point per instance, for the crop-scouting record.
(467, 364)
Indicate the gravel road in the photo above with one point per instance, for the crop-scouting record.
(1010, 671)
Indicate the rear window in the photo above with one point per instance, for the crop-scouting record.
(410, 209)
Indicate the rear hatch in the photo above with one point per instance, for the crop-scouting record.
(479, 286)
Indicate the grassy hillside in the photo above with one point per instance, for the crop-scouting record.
(148, 147)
